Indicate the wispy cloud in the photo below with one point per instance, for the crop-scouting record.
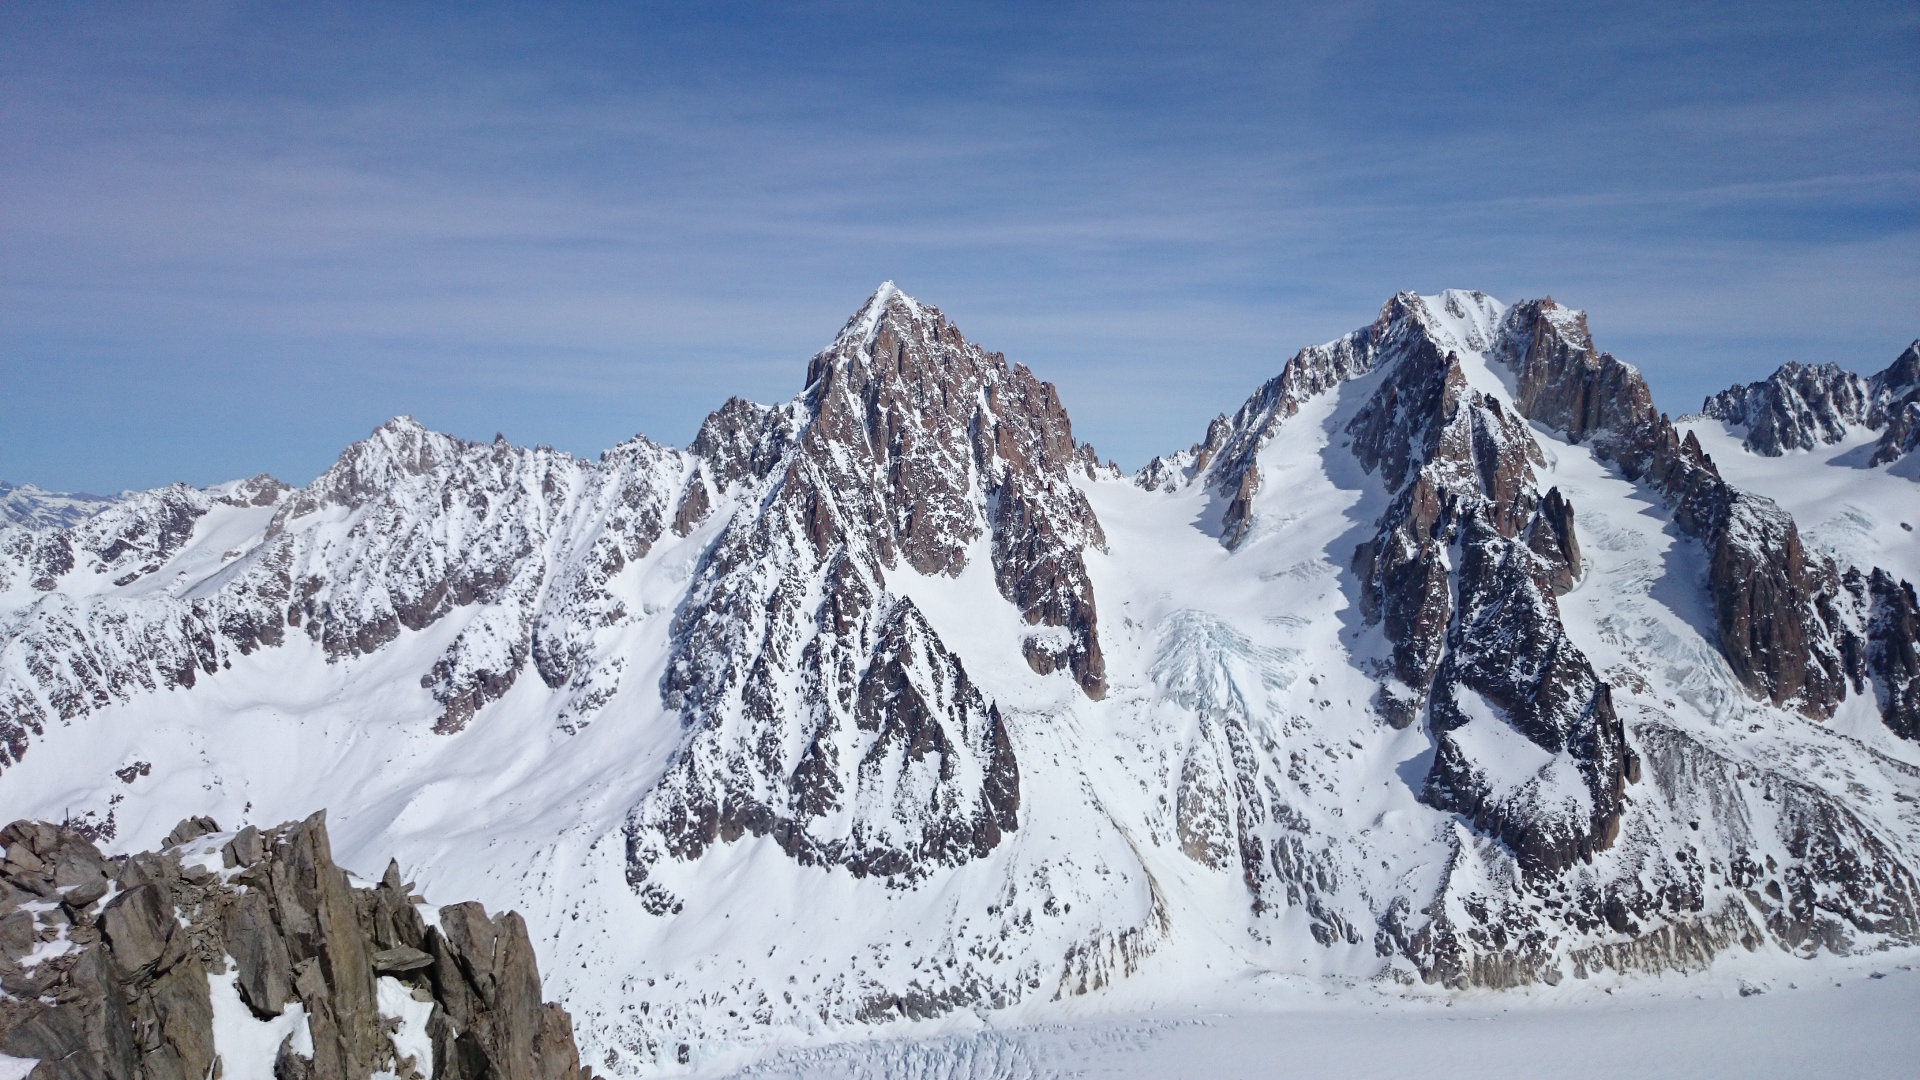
(578, 223)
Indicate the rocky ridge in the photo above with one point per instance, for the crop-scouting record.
(1777, 606)
(1802, 406)
(251, 954)
(404, 530)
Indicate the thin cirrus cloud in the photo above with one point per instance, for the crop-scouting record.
(239, 237)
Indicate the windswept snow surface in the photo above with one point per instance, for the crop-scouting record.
(1240, 700)
(1857, 1024)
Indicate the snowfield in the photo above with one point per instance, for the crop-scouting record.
(1834, 1024)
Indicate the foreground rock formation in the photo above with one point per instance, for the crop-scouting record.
(251, 954)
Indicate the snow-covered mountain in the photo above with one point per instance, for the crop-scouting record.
(1446, 661)
(30, 507)
(1806, 407)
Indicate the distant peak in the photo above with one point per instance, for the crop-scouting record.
(402, 424)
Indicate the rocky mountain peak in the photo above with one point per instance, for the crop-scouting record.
(402, 447)
(1454, 320)
(814, 691)
(930, 442)
(864, 324)
(1774, 602)
(1902, 377)
(1798, 407)
(1805, 406)
(1410, 329)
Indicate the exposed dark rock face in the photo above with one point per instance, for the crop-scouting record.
(1800, 407)
(936, 783)
(1892, 647)
(810, 689)
(1898, 387)
(1508, 648)
(1805, 875)
(1772, 599)
(1902, 434)
(1462, 577)
(923, 442)
(114, 981)
(1551, 536)
(742, 442)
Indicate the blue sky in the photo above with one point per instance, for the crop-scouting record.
(234, 237)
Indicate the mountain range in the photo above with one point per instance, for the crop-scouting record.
(1446, 661)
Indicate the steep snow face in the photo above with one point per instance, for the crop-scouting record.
(1431, 666)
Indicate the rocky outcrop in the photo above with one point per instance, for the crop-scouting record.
(1901, 436)
(1761, 858)
(200, 959)
(1892, 653)
(1462, 576)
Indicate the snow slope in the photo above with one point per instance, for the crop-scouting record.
(1861, 514)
